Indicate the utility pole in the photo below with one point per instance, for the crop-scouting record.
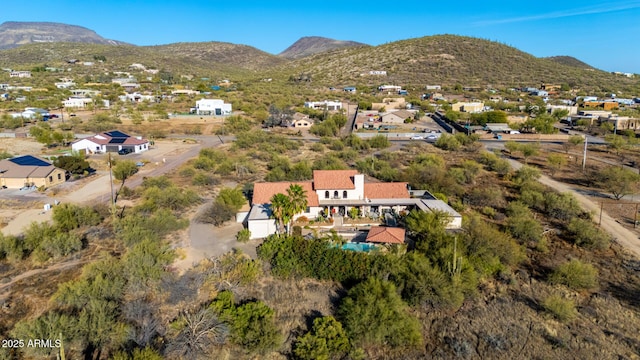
(584, 156)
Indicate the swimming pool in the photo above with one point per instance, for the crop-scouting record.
(362, 247)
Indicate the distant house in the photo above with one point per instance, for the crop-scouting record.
(110, 141)
(29, 170)
(396, 117)
(76, 102)
(32, 113)
(84, 92)
(324, 105)
(469, 107)
(20, 74)
(389, 88)
(212, 107)
(301, 121)
(65, 84)
(350, 89)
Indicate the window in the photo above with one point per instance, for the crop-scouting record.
(326, 194)
(59, 176)
(50, 178)
(335, 194)
(344, 194)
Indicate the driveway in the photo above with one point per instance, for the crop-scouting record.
(207, 241)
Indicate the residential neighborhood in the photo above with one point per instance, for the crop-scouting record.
(441, 197)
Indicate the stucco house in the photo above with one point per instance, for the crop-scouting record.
(111, 141)
(469, 107)
(212, 107)
(397, 117)
(335, 193)
(29, 170)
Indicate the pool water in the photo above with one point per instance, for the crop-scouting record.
(362, 247)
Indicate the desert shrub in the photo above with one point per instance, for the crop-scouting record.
(137, 226)
(525, 174)
(172, 198)
(187, 171)
(576, 275)
(561, 308)
(521, 223)
(448, 142)
(379, 142)
(586, 234)
(326, 340)
(203, 179)
(232, 197)
(11, 247)
(252, 323)
(69, 216)
(485, 196)
(374, 314)
(216, 214)
(317, 147)
(204, 163)
(243, 235)
(563, 206)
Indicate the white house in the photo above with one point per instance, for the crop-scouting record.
(110, 141)
(20, 74)
(76, 103)
(65, 84)
(212, 107)
(31, 113)
(324, 105)
(335, 193)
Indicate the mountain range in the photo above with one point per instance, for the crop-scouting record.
(445, 59)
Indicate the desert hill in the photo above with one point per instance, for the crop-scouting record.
(13, 34)
(311, 45)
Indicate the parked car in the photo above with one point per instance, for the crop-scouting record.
(124, 151)
(53, 116)
(417, 137)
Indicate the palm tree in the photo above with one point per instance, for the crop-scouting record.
(297, 200)
(280, 208)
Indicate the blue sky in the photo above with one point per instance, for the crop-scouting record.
(603, 34)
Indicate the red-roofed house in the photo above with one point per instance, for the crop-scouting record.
(335, 192)
(111, 141)
(386, 235)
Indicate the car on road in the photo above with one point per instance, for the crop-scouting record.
(124, 151)
(416, 137)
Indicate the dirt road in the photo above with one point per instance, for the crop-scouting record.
(623, 236)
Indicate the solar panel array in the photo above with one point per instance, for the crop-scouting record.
(117, 134)
(28, 160)
(117, 140)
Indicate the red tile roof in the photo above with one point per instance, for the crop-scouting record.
(386, 235)
(393, 190)
(103, 139)
(262, 192)
(334, 179)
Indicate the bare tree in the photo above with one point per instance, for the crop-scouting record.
(200, 331)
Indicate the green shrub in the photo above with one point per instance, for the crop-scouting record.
(326, 340)
(243, 235)
(561, 308)
(586, 234)
(576, 275)
(216, 214)
(374, 314)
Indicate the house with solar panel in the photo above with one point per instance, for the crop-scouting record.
(111, 141)
(28, 170)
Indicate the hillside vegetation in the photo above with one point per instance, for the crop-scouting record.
(449, 59)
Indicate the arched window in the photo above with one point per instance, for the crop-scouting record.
(335, 194)
(326, 194)
(344, 194)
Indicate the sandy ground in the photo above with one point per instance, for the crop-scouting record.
(20, 146)
(207, 241)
